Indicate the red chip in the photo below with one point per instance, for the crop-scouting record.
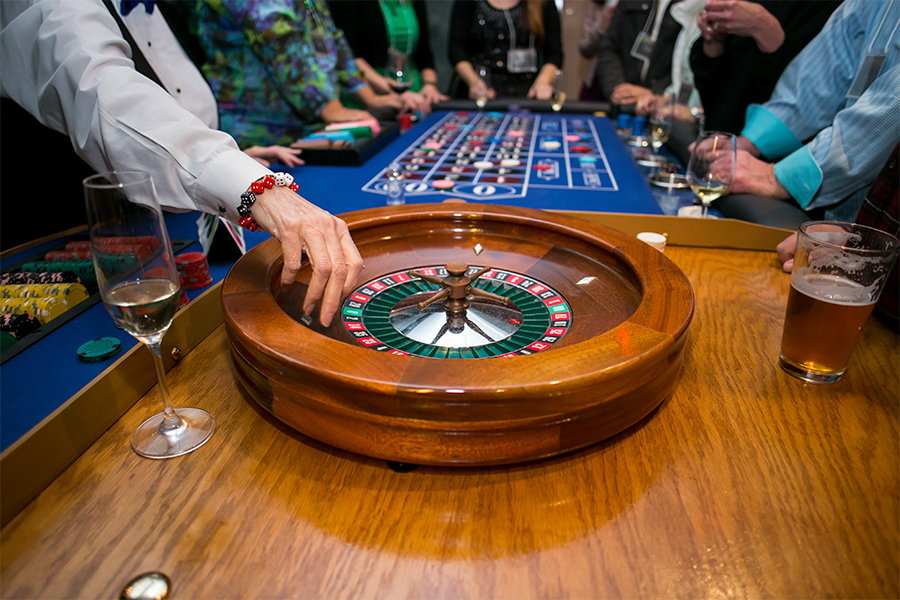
(542, 167)
(582, 149)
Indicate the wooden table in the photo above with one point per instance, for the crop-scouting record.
(745, 482)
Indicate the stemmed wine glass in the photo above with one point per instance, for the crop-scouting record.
(398, 71)
(481, 92)
(558, 96)
(710, 170)
(139, 286)
(661, 121)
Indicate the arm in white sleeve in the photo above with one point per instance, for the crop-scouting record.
(65, 62)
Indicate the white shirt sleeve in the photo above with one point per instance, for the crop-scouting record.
(66, 63)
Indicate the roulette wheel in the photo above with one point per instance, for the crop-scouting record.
(477, 335)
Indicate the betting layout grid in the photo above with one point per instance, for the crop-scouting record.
(524, 151)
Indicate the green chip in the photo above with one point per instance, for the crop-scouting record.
(99, 349)
(6, 340)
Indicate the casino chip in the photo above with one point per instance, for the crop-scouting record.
(6, 340)
(443, 184)
(551, 145)
(194, 269)
(483, 164)
(99, 349)
(510, 162)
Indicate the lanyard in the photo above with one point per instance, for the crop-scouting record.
(512, 31)
(883, 41)
(315, 15)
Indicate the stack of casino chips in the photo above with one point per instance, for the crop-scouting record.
(45, 301)
(84, 269)
(15, 327)
(24, 277)
(183, 299)
(194, 270)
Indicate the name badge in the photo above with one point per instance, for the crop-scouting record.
(867, 73)
(643, 47)
(319, 43)
(522, 61)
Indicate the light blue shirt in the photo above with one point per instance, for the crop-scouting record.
(849, 141)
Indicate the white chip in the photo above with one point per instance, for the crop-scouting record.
(551, 145)
(483, 164)
(510, 162)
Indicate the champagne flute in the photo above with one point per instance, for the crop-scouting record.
(139, 285)
(710, 170)
(481, 97)
(398, 71)
(661, 121)
(558, 96)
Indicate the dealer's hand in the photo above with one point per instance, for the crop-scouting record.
(301, 227)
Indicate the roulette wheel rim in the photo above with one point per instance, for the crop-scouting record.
(414, 409)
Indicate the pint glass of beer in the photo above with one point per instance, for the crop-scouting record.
(839, 272)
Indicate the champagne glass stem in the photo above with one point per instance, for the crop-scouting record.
(170, 420)
(705, 209)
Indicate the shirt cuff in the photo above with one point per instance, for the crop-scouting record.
(800, 175)
(770, 136)
(224, 179)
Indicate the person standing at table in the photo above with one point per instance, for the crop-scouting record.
(744, 49)
(377, 28)
(842, 94)
(517, 41)
(67, 63)
(277, 68)
(635, 56)
(596, 22)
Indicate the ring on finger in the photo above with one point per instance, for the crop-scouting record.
(715, 26)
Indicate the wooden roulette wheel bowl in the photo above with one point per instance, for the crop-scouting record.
(628, 307)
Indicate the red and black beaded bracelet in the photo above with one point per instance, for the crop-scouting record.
(258, 187)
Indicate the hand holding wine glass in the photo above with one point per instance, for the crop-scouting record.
(139, 286)
(398, 71)
(558, 96)
(710, 170)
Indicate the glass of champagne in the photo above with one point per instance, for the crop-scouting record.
(398, 71)
(661, 121)
(710, 169)
(558, 96)
(139, 285)
(481, 93)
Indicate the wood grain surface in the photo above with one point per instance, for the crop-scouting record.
(744, 483)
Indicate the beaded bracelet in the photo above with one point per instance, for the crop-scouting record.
(248, 199)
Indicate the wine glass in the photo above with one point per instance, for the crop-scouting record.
(139, 285)
(398, 71)
(481, 97)
(710, 170)
(558, 96)
(661, 121)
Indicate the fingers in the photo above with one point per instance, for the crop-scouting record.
(785, 251)
(292, 248)
(788, 265)
(330, 268)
